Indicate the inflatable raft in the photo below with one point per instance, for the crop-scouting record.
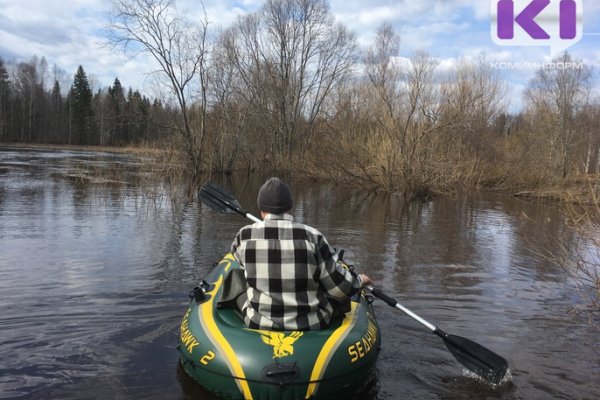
(235, 362)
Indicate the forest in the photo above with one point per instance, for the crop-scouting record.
(289, 89)
(37, 109)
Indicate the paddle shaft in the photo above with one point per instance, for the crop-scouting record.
(378, 293)
(252, 217)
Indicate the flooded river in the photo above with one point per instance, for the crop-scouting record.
(96, 264)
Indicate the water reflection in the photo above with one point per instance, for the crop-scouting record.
(95, 267)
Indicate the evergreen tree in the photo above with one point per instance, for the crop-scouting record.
(56, 115)
(139, 108)
(117, 110)
(81, 109)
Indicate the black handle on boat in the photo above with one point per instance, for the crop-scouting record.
(378, 293)
(476, 358)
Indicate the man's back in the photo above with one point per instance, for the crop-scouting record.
(290, 269)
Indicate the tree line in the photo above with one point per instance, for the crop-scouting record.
(37, 109)
(288, 88)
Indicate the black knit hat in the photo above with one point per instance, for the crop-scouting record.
(274, 196)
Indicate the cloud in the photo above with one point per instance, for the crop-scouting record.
(63, 32)
(376, 15)
(70, 33)
(32, 31)
(425, 25)
(219, 14)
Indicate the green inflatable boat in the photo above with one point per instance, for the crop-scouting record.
(235, 362)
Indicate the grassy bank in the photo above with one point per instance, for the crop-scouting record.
(339, 167)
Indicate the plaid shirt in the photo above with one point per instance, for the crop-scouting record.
(290, 268)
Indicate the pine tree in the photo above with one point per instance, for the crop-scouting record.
(56, 114)
(139, 108)
(81, 108)
(117, 110)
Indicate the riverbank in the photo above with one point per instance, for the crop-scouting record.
(580, 189)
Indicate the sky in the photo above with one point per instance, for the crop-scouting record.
(70, 33)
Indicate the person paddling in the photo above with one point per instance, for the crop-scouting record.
(293, 275)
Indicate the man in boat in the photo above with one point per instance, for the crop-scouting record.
(294, 277)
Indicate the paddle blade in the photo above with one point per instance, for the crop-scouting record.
(476, 358)
(219, 199)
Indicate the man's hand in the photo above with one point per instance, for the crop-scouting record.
(364, 280)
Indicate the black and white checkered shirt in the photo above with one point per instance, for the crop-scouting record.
(290, 268)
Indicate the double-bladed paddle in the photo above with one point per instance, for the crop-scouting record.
(478, 359)
(222, 201)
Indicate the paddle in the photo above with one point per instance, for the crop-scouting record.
(483, 362)
(222, 201)
(473, 356)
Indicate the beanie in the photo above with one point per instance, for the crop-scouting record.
(274, 196)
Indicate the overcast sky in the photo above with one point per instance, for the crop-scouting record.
(70, 33)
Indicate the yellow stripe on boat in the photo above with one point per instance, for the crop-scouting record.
(205, 314)
(329, 348)
(228, 259)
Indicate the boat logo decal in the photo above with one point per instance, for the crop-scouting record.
(362, 347)
(207, 357)
(283, 346)
(186, 336)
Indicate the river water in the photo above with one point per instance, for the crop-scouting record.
(97, 259)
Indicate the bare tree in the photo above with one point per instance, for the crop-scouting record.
(290, 56)
(229, 109)
(384, 70)
(4, 93)
(474, 99)
(562, 93)
(180, 49)
(407, 108)
(28, 84)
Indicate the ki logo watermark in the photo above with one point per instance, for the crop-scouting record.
(557, 24)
